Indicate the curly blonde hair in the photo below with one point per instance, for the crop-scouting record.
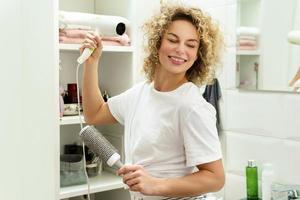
(210, 37)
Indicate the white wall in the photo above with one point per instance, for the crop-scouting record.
(11, 103)
(29, 131)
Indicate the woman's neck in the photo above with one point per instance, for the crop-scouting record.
(165, 82)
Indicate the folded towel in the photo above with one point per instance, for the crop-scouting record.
(246, 42)
(73, 33)
(70, 40)
(249, 31)
(112, 43)
(109, 41)
(247, 37)
(123, 39)
(247, 47)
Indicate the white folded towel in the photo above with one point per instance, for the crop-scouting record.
(249, 31)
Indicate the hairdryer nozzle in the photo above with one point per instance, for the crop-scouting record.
(120, 28)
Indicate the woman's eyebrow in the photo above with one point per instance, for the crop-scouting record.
(173, 34)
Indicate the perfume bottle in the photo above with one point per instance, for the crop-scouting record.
(252, 180)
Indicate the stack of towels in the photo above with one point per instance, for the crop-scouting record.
(247, 38)
(76, 35)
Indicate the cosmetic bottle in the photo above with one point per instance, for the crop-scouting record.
(252, 180)
(267, 178)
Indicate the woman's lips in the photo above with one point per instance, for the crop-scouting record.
(177, 60)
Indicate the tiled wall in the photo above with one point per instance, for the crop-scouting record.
(264, 126)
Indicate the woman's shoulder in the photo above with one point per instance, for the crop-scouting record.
(138, 87)
(193, 101)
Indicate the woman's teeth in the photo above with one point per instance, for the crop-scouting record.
(177, 59)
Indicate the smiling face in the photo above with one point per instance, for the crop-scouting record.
(179, 46)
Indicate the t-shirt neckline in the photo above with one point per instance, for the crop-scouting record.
(176, 90)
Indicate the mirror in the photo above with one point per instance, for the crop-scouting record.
(266, 60)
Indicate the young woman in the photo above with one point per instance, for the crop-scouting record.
(171, 142)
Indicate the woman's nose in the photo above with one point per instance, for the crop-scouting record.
(180, 48)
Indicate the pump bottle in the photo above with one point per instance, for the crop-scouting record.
(252, 180)
(267, 178)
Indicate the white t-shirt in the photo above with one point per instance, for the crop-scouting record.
(168, 133)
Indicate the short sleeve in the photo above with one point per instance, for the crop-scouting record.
(118, 106)
(121, 105)
(200, 135)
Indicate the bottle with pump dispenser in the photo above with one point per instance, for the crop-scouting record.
(252, 180)
(267, 178)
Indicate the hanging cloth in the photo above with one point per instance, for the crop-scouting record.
(212, 94)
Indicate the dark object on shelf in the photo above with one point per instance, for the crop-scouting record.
(77, 149)
(71, 94)
(72, 149)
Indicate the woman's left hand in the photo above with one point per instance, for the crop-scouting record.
(138, 180)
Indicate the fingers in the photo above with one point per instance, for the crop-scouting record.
(131, 175)
(98, 40)
(95, 38)
(128, 168)
(132, 182)
(91, 41)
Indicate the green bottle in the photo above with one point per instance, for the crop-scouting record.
(252, 180)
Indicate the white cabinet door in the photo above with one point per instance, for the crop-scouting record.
(29, 112)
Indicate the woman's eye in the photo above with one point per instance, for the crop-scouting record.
(172, 40)
(191, 45)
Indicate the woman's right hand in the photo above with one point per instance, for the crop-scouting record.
(92, 40)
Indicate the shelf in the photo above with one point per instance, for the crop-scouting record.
(75, 47)
(104, 182)
(248, 52)
(70, 120)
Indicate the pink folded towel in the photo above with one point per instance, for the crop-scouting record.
(123, 39)
(111, 43)
(77, 36)
(73, 33)
(247, 42)
(70, 40)
(247, 37)
(247, 47)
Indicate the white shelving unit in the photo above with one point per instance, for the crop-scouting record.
(116, 74)
(75, 47)
(104, 182)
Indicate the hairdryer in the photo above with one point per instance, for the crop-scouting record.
(100, 146)
(105, 25)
